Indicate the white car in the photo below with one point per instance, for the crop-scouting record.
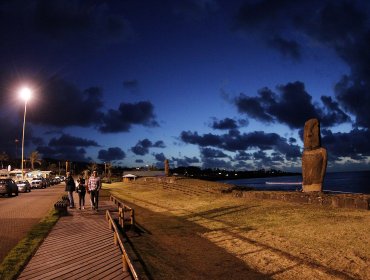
(38, 183)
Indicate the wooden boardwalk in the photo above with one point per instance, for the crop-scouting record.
(80, 246)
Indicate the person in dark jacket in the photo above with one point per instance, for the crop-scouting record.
(81, 190)
(70, 188)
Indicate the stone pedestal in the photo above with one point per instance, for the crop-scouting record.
(313, 169)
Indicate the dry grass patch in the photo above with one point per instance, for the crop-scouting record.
(208, 236)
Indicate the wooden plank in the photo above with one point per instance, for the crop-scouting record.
(80, 246)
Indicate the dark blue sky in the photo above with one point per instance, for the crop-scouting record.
(210, 83)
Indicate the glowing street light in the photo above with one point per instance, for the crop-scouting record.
(25, 94)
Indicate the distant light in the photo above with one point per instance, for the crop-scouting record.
(236, 174)
(25, 93)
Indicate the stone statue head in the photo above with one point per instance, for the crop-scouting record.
(311, 137)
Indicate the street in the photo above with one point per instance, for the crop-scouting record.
(19, 213)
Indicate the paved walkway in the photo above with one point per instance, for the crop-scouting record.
(80, 246)
(18, 214)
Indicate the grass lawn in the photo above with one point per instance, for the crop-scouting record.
(196, 234)
(18, 257)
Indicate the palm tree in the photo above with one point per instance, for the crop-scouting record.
(35, 158)
(92, 166)
(3, 157)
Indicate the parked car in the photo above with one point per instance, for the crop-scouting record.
(58, 180)
(47, 182)
(55, 181)
(38, 183)
(24, 186)
(8, 186)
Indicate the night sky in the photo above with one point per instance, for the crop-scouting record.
(208, 83)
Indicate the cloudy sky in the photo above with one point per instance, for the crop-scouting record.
(208, 83)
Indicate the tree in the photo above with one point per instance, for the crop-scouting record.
(3, 157)
(35, 158)
(109, 170)
(92, 166)
(53, 167)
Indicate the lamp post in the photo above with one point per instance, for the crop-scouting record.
(25, 94)
(16, 151)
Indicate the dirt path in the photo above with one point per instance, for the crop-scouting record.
(196, 235)
(19, 214)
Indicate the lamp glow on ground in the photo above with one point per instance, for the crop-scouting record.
(25, 94)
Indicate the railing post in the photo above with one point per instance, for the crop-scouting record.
(132, 217)
(115, 238)
(124, 263)
(120, 216)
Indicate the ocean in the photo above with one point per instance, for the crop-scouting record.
(352, 182)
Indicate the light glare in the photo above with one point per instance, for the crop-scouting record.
(25, 93)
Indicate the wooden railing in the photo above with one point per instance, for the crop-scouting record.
(125, 213)
(130, 261)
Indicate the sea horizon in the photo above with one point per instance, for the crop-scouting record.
(341, 181)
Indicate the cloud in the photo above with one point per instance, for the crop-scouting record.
(236, 142)
(67, 147)
(78, 19)
(217, 163)
(226, 123)
(129, 114)
(335, 114)
(353, 144)
(60, 103)
(349, 37)
(203, 141)
(340, 25)
(185, 161)
(288, 48)
(11, 131)
(259, 14)
(212, 153)
(68, 140)
(64, 153)
(160, 157)
(262, 160)
(292, 105)
(111, 154)
(139, 161)
(142, 146)
(68, 30)
(242, 155)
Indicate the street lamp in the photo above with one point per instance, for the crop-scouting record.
(25, 94)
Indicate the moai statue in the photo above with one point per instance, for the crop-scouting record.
(166, 168)
(314, 158)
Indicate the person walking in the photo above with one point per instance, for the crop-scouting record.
(94, 186)
(81, 190)
(70, 188)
